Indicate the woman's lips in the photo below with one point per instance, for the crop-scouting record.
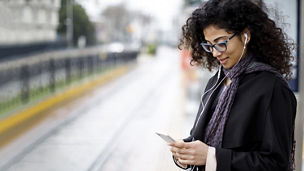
(223, 60)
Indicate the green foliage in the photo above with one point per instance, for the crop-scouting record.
(82, 26)
(151, 49)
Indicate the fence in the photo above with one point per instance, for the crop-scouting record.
(14, 51)
(32, 77)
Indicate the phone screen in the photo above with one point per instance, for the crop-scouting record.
(167, 138)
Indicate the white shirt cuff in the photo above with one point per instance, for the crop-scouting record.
(211, 159)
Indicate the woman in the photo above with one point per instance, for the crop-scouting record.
(246, 117)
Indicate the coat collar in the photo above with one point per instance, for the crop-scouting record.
(202, 120)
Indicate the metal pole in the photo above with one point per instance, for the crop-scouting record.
(299, 118)
(67, 70)
(69, 22)
(25, 83)
(52, 71)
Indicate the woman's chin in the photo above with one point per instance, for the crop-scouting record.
(226, 66)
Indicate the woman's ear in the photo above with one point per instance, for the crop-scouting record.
(246, 36)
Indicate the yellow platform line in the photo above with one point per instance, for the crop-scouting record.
(18, 118)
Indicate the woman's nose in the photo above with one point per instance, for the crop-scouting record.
(216, 53)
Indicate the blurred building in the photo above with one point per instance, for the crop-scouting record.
(28, 21)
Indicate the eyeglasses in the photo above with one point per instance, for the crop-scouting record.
(220, 46)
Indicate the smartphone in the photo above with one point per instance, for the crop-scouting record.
(167, 138)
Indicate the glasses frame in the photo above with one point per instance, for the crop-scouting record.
(214, 45)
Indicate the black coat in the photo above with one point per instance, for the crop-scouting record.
(258, 134)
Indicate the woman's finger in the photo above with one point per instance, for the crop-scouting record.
(177, 144)
(173, 149)
(181, 150)
(186, 162)
(184, 156)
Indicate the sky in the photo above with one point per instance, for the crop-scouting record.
(163, 10)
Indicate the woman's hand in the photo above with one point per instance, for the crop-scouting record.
(189, 153)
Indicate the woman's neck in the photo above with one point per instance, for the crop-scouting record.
(227, 81)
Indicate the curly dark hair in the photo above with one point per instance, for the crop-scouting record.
(268, 43)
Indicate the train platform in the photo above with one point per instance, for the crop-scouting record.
(111, 127)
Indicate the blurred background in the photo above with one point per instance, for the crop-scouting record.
(85, 84)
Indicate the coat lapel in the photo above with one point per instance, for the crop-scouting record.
(203, 115)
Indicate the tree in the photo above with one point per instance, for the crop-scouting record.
(82, 26)
(118, 22)
(118, 19)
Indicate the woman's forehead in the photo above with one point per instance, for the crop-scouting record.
(213, 33)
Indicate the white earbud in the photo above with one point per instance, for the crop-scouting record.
(219, 72)
(246, 37)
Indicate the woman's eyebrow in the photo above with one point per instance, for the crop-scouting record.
(216, 39)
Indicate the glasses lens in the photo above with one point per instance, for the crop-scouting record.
(207, 47)
(221, 47)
